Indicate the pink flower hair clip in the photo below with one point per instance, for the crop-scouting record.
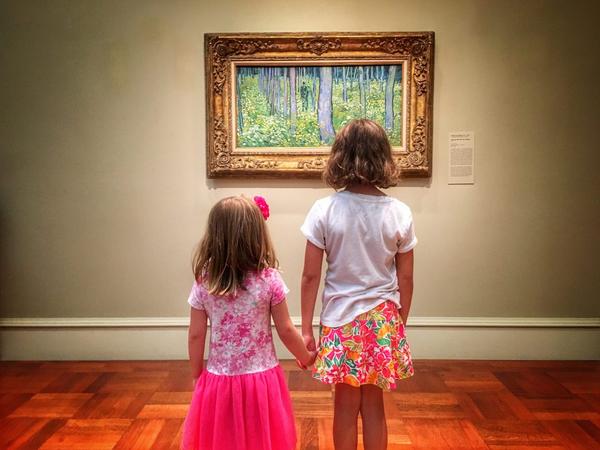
(262, 205)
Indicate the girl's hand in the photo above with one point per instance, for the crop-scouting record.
(311, 346)
(403, 317)
(194, 381)
(313, 356)
(309, 362)
(309, 341)
(302, 366)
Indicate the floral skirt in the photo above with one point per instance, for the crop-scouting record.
(372, 349)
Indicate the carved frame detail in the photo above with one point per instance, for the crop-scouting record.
(223, 52)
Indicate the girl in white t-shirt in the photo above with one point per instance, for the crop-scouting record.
(368, 238)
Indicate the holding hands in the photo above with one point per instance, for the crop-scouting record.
(309, 343)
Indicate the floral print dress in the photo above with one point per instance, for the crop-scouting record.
(241, 401)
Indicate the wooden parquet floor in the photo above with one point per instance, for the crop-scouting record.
(447, 404)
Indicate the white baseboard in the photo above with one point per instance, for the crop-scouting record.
(98, 338)
(145, 322)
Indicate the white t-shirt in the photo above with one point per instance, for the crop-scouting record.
(361, 235)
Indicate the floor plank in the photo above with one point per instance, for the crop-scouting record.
(93, 434)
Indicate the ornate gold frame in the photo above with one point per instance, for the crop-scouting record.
(223, 52)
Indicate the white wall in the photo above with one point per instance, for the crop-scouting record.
(103, 191)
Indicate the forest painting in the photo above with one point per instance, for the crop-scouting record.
(304, 106)
(274, 101)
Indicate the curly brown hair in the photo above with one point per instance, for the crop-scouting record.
(361, 154)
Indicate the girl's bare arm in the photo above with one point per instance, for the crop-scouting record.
(311, 277)
(404, 270)
(196, 339)
(289, 335)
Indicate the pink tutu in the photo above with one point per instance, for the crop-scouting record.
(240, 412)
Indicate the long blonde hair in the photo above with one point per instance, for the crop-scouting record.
(236, 241)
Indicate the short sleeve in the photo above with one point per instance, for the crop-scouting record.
(198, 296)
(312, 228)
(277, 288)
(408, 239)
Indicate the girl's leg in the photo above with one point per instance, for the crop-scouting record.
(345, 416)
(373, 417)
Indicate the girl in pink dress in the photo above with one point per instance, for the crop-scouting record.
(240, 399)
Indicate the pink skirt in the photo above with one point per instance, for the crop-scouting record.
(240, 412)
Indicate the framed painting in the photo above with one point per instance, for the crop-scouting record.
(275, 101)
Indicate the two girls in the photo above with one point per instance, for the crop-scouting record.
(240, 399)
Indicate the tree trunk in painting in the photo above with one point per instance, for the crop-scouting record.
(389, 99)
(314, 90)
(367, 83)
(267, 85)
(324, 113)
(278, 101)
(286, 99)
(272, 90)
(344, 88)
(293, 106)
(361, 87)
(261, 80)
(240, 116)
